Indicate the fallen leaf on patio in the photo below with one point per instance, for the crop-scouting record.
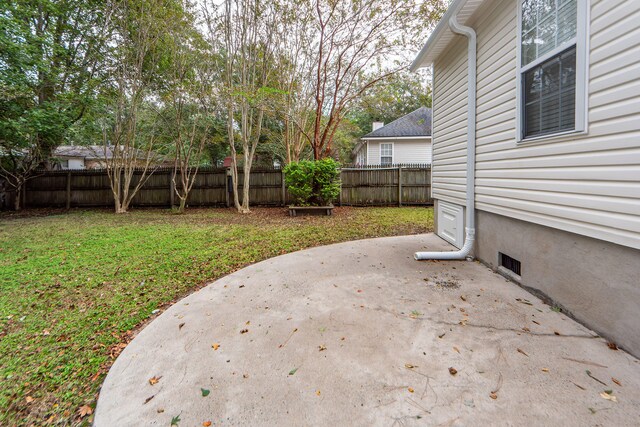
(322, 348)
(205, 392)
(463, 298)
(493, 395)
(545, 369)
(154, 380)
(463, 322)
(522, 352)
(616, 381)
(456, 349)
(453, 371)
(245, 376)
(441, 335)
(215, 346)
(411, 390)
(148, 399)
(244, 331)
(318, 393)
(175, 420)
(608, 396)
(160, 410)
(293, 371)
(84, 411)
(535, 322)
(556, 332)
(359, 290)
(206, 424)
(248, 322)
(523, 301)
(579, 386)
(343, 338)
(180, 326)
(612, 345)
(526, 329)
(29, 399)
(409, 366)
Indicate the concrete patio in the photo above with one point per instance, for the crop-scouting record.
(361, 334)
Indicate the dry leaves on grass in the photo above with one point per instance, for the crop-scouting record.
(84, 411)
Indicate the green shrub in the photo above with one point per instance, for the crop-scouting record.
(313, 182)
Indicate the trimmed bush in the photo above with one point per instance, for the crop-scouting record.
(313, 183)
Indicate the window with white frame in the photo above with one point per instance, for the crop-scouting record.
(386, 154)
(552, 67)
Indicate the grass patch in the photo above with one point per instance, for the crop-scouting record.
(75, 285)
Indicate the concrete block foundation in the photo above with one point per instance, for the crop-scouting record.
(596, 282)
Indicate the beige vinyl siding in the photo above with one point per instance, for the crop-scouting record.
(587, 184)
(412, 151)
(404, 150)
(373, 153)
(450, 124)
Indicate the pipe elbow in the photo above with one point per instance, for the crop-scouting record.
(463, 253)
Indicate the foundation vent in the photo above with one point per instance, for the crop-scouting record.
(510, 264)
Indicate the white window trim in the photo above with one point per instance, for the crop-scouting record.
(582, 74)
(393, 152)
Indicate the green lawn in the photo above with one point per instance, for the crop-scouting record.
(74, 286)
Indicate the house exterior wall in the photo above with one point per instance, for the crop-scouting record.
(76, 163)
(449, 171)
(567, 207)
(404, 150)
(587, 184)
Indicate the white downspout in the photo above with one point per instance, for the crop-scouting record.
(470, 229)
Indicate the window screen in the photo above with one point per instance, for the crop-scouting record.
(548, 59)
(386, 154)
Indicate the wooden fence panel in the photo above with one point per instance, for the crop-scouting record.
(209, 189)
(46, 190)
(90, 188)
(386, 186)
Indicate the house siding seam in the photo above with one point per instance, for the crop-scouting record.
(587, 184)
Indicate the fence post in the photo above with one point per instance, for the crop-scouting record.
(399, 185)
(284, 189)
(172, 189)
(227, 187)
(340, 194)
(68, 204)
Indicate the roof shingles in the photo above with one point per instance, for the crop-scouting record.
(416, 123)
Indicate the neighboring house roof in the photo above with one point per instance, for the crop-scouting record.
(442, 34)
(96, 152)
(416, 123)
(86, 152)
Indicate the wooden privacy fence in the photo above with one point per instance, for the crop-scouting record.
(362, 186)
